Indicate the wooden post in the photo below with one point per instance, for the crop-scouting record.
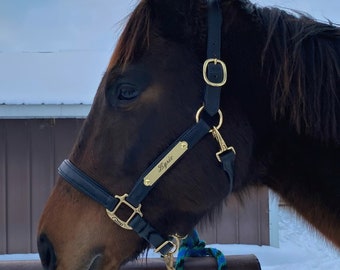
(235, 262)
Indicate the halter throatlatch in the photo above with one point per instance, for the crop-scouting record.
(215, 76)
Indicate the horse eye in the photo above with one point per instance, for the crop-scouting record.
(127, 92)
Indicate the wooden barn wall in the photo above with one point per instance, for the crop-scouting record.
(30, 152)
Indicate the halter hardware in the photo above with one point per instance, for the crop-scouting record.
(179, 149)
(169, 258)
(223, 146)
(217, 135)
(215, 76)
(116, 219)
(174, 241)
(215, 61)
(220, 114)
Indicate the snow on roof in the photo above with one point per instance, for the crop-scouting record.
(55, 52)
(67, 77)
(31, 111)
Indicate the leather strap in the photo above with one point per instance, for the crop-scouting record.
(227, 159)
(192, 136)
(214, 72)
(91, 188)
(150, 234)
(82, 182)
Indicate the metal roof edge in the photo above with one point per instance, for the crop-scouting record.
(31, 111)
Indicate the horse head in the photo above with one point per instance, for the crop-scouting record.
(141, 123)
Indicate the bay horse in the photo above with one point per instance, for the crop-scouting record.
(270, 90)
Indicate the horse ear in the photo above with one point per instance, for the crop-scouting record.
(175, 17)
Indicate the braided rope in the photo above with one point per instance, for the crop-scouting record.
(192, 246)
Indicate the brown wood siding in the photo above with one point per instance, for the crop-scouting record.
(241, 223)
(3, 191)
(30, 152)
(234, 262)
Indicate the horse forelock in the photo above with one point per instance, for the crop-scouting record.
(135, 38)
(302, 58)
(191, 26)
(148, 20)
(179, 21)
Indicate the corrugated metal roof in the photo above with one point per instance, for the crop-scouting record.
(29, 111)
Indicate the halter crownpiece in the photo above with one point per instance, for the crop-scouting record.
(215, 76)
(214, 69)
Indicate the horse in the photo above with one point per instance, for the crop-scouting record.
(266, 100)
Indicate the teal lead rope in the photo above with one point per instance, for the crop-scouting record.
(192, 246)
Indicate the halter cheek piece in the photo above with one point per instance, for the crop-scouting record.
(215, 76)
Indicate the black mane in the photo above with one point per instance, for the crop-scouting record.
(302, 58)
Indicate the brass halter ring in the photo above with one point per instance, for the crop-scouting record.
(219, 113)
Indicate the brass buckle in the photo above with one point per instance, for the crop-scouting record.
(116, 219)
(174, 242)
(215, 61)
(169, 257)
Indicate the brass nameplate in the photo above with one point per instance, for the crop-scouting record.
(165, 163)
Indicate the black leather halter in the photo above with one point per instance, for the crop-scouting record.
(215, 76)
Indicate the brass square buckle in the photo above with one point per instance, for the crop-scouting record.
(214, 61)
(116, 219)
(174, 242)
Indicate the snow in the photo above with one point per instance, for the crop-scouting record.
(19, 257)
(55, 52)
(301, 248)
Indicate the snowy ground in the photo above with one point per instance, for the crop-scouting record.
(301, 248)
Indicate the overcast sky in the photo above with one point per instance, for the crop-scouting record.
(76, 38)
(52, 25)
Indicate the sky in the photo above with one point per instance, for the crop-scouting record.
(321, 10)
(53, 25)
(55, 51)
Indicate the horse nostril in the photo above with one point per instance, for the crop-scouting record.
(46, 253)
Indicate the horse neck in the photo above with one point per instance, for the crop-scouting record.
(290, 62)
(298, 153)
